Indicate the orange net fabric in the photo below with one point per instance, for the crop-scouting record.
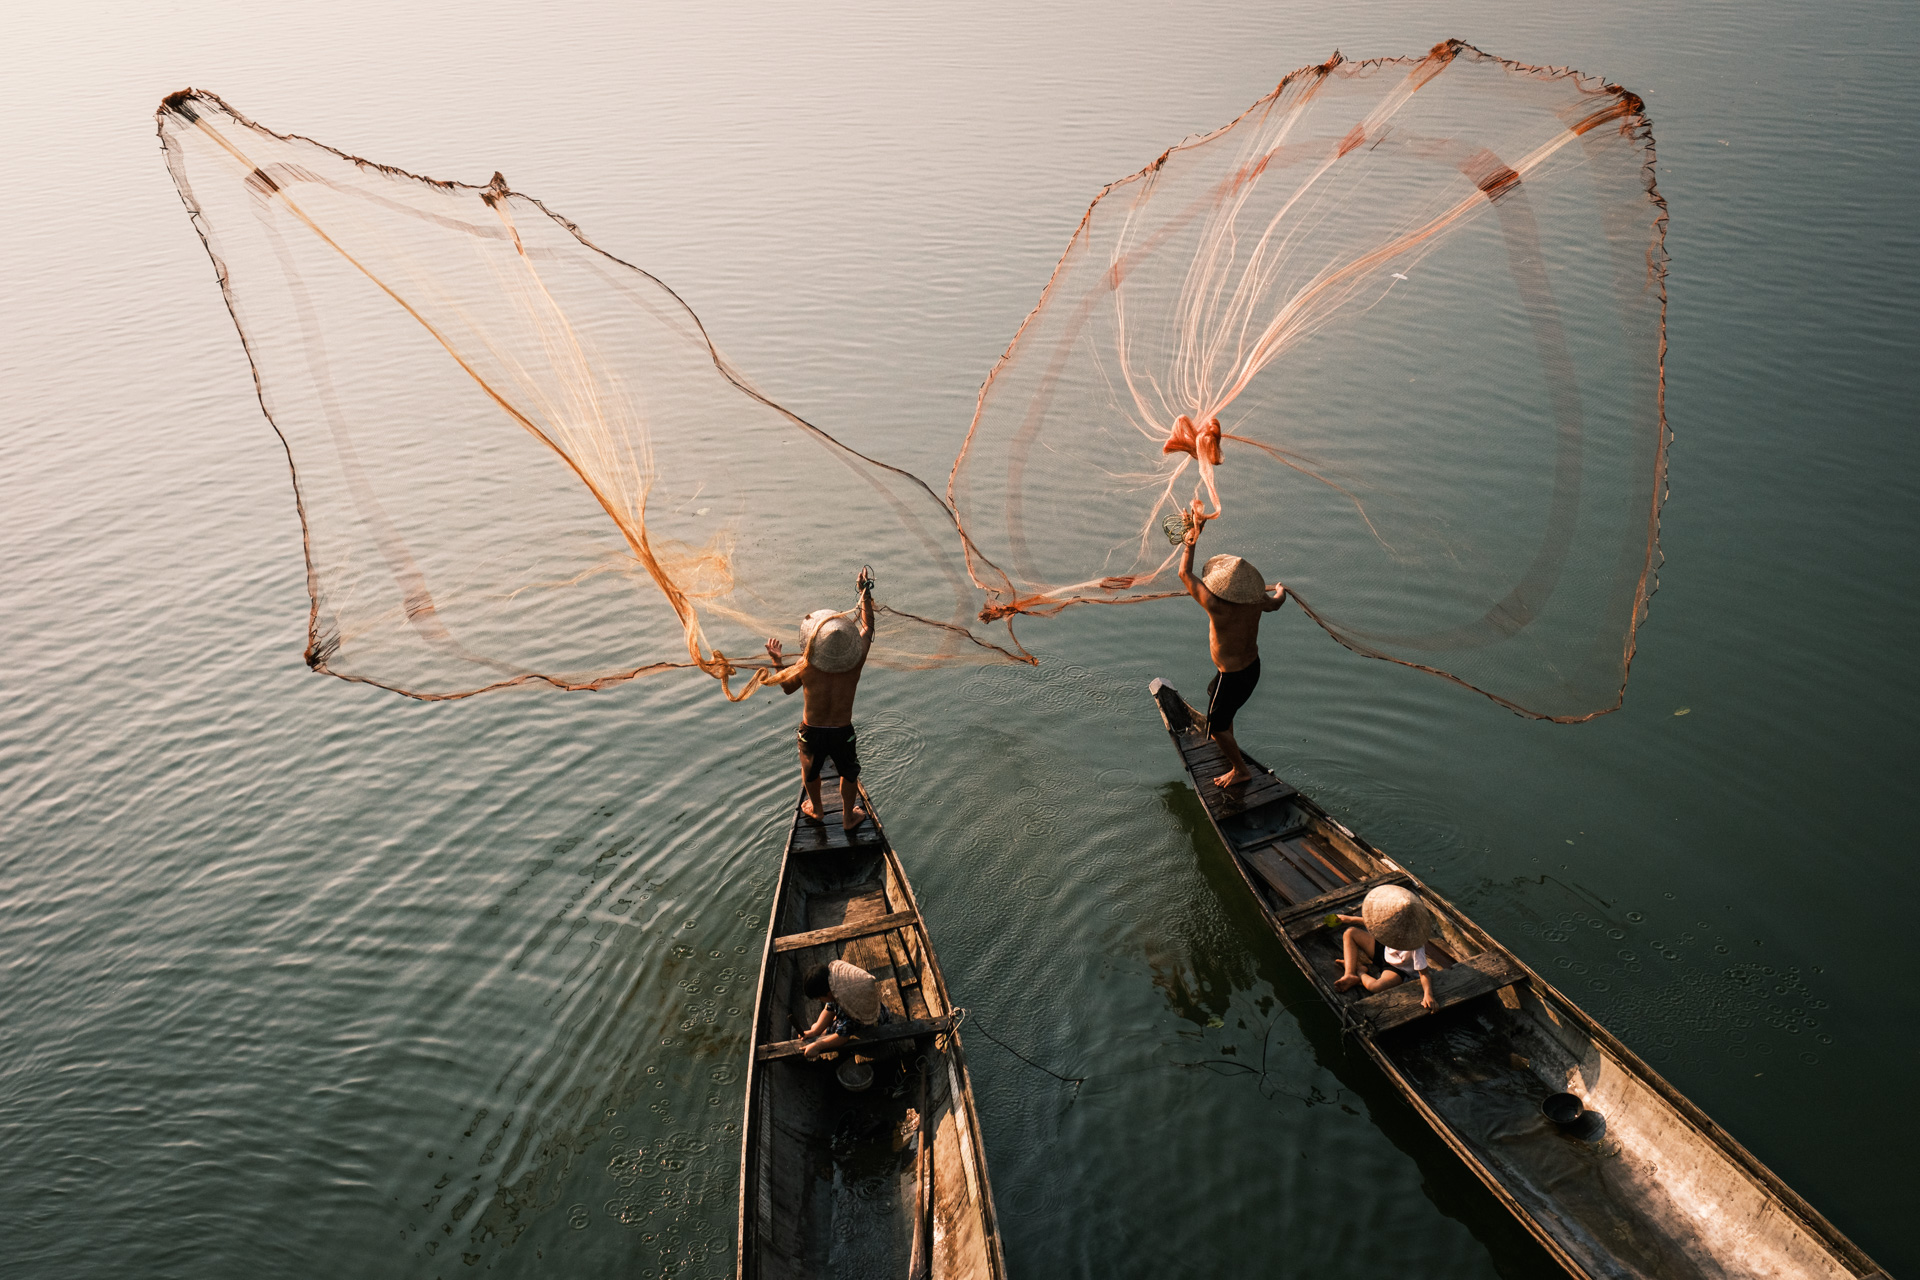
(1400, 327)
(517, 458)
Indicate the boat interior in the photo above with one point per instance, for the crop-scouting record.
(1638, 1184)
(836, 1183)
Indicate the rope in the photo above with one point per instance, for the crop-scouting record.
(960, 1015)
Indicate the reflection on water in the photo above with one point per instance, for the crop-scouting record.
(303, 980)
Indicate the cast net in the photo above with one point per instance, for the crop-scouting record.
(1400, 327)
(517, 458)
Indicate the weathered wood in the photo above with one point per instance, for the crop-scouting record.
(1474, 1070)
(1318, 875)
(1474, 976)
(1228, 802)
(843, 932)
(921, 1264)
(898, 1029)
(1303, 918)
(1308, 852)
(855, 902)
(1280, 875)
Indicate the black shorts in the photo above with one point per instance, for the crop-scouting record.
(1228, 692)
(1406, 975)
(817, 746)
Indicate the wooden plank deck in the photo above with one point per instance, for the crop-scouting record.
(825, 834)
(898, 1029)
(1474, 976)
(843, 932)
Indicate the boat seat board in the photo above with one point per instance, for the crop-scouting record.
(1302, 919)
(898, 1029)
(1281, 875)
(827, 834)
(1473, 976)
(1294, 870)
(1276, 821)
(843, 932)
(1232, 801)
(860, 913)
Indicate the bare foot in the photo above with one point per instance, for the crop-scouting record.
(1234, 778)
(855, 818)
(1347, 983)
(807, 809)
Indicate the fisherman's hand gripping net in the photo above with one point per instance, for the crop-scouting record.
(517, 458)
(1401, 326)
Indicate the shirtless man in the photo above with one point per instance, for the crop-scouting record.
(829, 670)
(1234, 596)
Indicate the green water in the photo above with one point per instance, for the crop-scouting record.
(302, 979)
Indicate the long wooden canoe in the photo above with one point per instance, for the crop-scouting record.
(1645, 1185)
(891, 1180)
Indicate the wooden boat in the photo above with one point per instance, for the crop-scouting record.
(890, 1180)
(1642, 1184)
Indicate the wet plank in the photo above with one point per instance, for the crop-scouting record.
(1474, 976)
(1281, 875)
(899, 1029)
(843, 932)
(1230, 802)
(1315, 862)
(1305, 918)
(825, 836)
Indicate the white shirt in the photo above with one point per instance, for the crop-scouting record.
(1415, 959)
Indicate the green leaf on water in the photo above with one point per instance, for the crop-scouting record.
(1682, 711)
(1215, 1022)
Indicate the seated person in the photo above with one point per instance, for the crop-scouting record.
(1390, 938)
(850, 1004)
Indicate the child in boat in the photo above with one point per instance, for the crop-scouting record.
(1387, 944)
(829, 670)
(850, 1003)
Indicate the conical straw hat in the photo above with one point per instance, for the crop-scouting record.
(832, 640)
(1397, 918)
(854, 990)
(1232, 578)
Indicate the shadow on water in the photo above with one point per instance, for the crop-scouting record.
(1218, 962)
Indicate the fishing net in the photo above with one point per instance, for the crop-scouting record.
(1400, 328)
(517, 458)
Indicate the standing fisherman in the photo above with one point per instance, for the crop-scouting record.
(829, 670)
(1234, 595)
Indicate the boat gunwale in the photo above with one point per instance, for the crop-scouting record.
(1768, 1182)
(930, 965)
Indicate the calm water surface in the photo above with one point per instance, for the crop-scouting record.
(303, 979)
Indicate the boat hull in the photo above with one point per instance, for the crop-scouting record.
(890, 1179)
(1642, 1185)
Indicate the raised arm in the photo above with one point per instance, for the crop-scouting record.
(787, 678)
(1193, 585)
(1278, 598)
(865, 585)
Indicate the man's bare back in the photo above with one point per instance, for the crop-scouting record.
(826, 725)
(828, 699)
(1233, 639)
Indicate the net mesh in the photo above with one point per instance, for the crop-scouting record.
(519, 459)
(1401, 328)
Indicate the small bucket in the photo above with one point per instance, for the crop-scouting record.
(854, 1076)
(1571, 1117)
(1562, 1108)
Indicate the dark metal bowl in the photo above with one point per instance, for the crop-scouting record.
(1562, 1108)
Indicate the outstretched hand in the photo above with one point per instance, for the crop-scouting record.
(774, 650)
(1196, 518)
